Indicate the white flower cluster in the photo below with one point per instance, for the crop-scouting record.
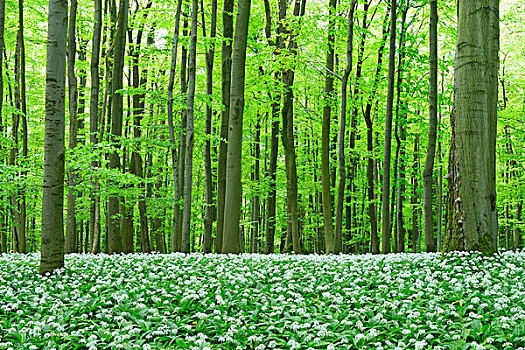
(153, 301)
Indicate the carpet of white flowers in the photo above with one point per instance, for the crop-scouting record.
(398, 301)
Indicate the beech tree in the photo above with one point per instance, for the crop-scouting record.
(231, 242)
(52, 245)
(471, 209)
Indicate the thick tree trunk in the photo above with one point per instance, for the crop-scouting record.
(341, 138)
(325, 137)
(71, 231)
(227, 33)
(386, 228)
(430, 241)
(471, 212)
(232, 202)
(52, 245)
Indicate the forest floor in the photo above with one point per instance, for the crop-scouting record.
(397, 301)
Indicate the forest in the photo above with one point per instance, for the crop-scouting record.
(315, 174)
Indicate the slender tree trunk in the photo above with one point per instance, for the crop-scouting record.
(186, 226)
(52, 245)
(71, 231)
(471, 212)
(517, 231)
(274, 143)
(430, 241)
(352, 167)
(415, 196)
(342, 130)
(398, 190)
(256, 217)
(227, 33)
(325, 137)
(232, 202)
(386, 228)
(210, 53)
(94, 229)
(371, 168)
(3, 217)
(114, 238)
(288, 76)
(182, 134)
(174, 160)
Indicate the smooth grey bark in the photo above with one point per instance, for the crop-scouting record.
(192, 60)
(52, 245)
(386, 228)
(231, 242)
(94, 217)
(71, 231)
(325, 134)
(208, 178)
(472, 213)
(226, 58)
(173, 147)
(114, 238)
(430, 241)
(342, 129)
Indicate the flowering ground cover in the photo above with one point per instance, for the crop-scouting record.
(177, 301)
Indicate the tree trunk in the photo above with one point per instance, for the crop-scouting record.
(352, 167)
(186, 222)
(210, 53)
(93, 123)
(386, 228)
(341, 140)
(430, 241)
(371, 168)
(415, 196)
(517, 231)
(274, 142)
(227, 33)
(174, 160)
(325, 137)
(182, 136)
(71, 231)
(52, 245)
(471, 211)
(114, 238)
(232, 201)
